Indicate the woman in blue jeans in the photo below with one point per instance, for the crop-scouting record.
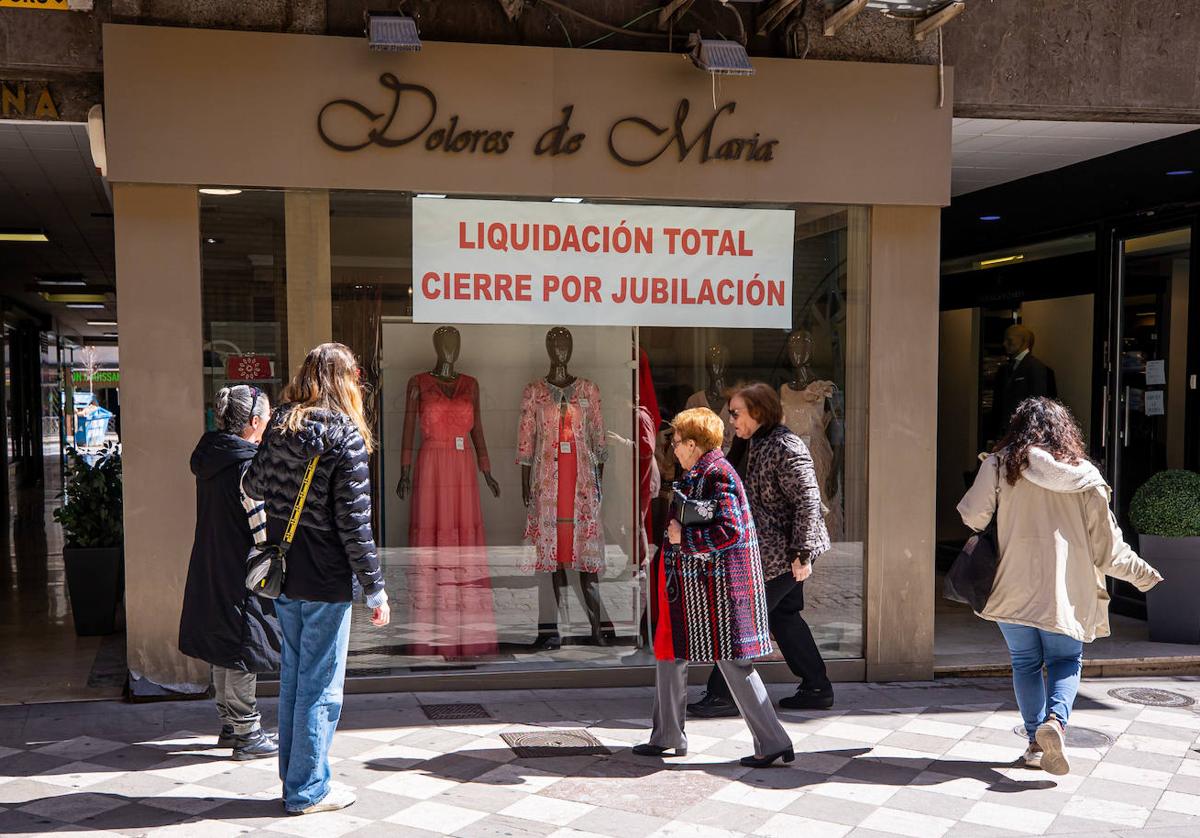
(333, 552)
(1058, 539)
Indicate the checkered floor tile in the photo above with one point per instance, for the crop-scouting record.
(921, 759)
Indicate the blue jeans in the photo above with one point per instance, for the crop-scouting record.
(312, 672)
(1062, 656)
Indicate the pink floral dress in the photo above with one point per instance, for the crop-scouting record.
(539, 443)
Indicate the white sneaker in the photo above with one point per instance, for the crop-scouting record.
(1053, 742)
(338, 798)
(1032, 758)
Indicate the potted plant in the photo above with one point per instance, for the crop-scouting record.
(93, 534)
(1165, 511)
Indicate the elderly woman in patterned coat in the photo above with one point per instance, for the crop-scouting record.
(710, 596)
(785, 500)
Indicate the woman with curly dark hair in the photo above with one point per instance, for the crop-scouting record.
(1057, 539)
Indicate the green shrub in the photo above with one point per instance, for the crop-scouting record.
(91, 513)
(1168, 505)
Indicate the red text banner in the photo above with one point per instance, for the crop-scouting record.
(604, 264)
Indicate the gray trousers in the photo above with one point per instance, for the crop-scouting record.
(749, 693)
(236, 701)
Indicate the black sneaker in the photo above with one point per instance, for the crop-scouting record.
(254, 745)
(712, 706)
(809, 698)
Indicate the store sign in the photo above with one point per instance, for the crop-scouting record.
(601, 264)
(633, 140)
(42, 5)
(19, 99)
(247, 367)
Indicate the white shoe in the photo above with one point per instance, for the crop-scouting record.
(1051, 738)
(1032, 758)
(338, 798)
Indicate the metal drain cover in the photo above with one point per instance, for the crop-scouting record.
(446, 712)
(1151, 696)
(1078, 737)
(554, 743)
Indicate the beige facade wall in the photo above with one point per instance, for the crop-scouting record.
(846, 135)
(901, 443)
(158, 295)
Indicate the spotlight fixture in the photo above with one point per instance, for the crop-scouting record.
(392, 32)
(720, 58)
(989, 218)
(221, 191)
(23, 236)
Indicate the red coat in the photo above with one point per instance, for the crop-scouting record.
(710, 596)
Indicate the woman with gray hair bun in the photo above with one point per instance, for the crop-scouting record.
(222, 622)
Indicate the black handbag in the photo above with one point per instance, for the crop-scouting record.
(973, 573)
(691, 513)
(266, 566)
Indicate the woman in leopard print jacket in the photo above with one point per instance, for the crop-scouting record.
(785, 501)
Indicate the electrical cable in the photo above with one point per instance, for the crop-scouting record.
(616, 30)
(563, 27)
(623, 26)
(741, 25)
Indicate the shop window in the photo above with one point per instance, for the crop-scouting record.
(471, 589)
(244, 291)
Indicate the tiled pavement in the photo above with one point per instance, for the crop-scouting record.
(920, 759)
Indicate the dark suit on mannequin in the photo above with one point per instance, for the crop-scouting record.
(1017, 380)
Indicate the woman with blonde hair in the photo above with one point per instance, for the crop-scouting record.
(333, 552)
(710, 596)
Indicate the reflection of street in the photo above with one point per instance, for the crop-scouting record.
(833, 609)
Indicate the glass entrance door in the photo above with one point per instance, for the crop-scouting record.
(1148, 373)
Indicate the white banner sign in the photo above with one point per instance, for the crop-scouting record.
(601, 264)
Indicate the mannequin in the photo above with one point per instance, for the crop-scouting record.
(715, 395)
(561, 437)
(447, 342)
(450, 578)
(810, 411)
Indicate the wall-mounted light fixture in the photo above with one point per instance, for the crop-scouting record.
(721, 58)
(392, 32)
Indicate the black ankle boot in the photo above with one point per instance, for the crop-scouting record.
(254, 745)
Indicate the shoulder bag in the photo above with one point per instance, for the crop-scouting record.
(266, 566)
(973, 573)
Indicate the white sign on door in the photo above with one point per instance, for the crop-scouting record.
(601, 264)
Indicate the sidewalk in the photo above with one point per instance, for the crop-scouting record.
(923, 759)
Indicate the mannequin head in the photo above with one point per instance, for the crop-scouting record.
(447, 342)
(716, 361)
(559, 345)
(1017, 339)
(800, 348)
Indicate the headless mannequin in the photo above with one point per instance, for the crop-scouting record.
(446, 343)
(559, 346)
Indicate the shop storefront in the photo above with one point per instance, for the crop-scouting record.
(538, 255)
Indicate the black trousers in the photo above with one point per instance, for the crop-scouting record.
(785, 601)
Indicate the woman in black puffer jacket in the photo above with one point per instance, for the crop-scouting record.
(333, 549)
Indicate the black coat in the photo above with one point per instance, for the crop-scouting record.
(1030, 378)
(223, 622)
(334, 544)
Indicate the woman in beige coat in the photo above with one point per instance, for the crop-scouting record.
(1058, 539)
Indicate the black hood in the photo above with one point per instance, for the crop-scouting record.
(320, 431)
(219, 450)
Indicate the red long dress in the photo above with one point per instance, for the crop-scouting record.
(453, 613)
